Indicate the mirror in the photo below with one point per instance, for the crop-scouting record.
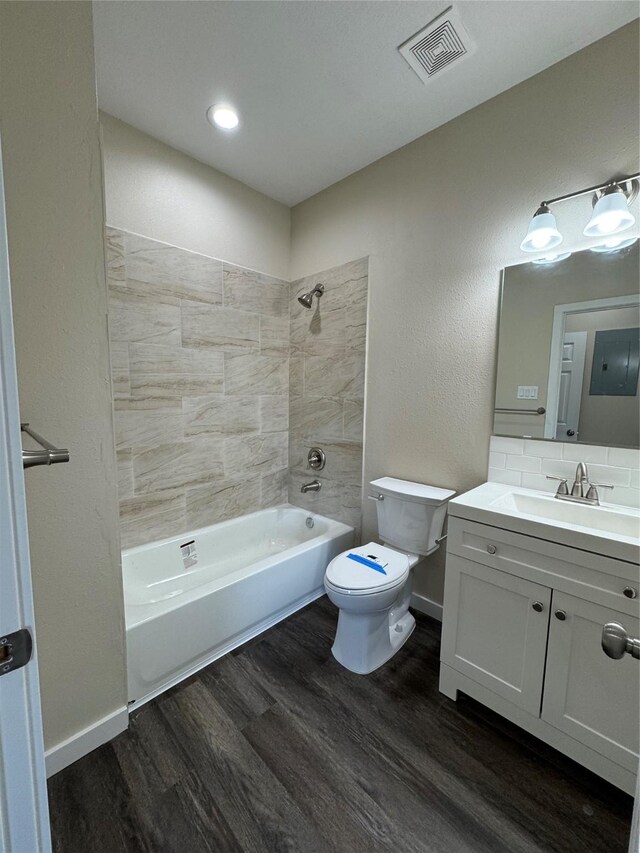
(568, 349)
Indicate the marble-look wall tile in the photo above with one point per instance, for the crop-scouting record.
(222, 381)
(224, 329)
(195, 360)
(274, 414)
(247, 290)
(274, 489)
(173, 271)
(144, 323)
(151, 358)
(221, 415)
(326, 387)
(256, 374)
(223, 499)
(256, 453)
(178, 464)
(120, 380)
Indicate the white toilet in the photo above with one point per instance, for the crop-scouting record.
(372, 584)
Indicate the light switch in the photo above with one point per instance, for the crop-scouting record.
(528, 392)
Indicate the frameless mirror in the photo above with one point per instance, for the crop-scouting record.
(568, 349)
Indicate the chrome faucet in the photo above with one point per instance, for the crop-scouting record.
(315, 486)
(582, 490)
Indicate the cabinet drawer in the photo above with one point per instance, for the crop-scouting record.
(580, 573)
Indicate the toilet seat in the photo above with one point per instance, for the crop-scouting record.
(368, 569)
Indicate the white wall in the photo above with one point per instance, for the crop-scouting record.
(439, 219)
(154, 190)
(49, 127)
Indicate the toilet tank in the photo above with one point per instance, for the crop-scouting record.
(410, 515)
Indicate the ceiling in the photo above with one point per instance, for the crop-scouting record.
(319, 84)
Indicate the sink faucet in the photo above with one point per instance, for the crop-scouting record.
(314, 486)
(582, 491)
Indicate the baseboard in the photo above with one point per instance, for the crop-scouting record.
(424, 605)
(85, 741)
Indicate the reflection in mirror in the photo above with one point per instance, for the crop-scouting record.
(568, 349)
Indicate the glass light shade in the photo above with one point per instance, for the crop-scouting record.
(614, 245)
(552, 259)
(610, 215)
(542, 232)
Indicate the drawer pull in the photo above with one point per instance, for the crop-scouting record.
(561, 615)
(630, 592)
(491, 549)
(538, 606)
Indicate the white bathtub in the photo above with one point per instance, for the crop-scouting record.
(192, 598)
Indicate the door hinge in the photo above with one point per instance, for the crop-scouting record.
(15, 650)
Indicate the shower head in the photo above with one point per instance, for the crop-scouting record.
(307, 298)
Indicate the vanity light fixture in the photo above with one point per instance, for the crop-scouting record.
(610, 214)
(615, 244)
(223, 116)
(552, 259)
(542, 232)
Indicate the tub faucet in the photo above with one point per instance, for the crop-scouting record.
(315, 486)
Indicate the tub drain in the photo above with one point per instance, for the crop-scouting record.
(309, 522)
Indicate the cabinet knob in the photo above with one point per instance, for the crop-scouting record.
(561, 615)
(630, 592)
(538, 606)
(491, 549)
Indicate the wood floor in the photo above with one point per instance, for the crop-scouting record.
(277, 748)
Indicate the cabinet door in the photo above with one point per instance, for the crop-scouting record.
(591, 697)
(492, 632)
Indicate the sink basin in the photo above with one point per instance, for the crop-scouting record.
(615, 521)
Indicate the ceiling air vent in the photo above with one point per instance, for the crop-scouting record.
(437, 46)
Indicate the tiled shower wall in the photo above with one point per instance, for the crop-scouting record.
(200, 363)
(326, 390)
(201, 380)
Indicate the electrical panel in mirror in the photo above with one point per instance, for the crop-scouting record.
(568, 349)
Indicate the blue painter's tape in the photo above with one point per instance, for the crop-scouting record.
(358, 559)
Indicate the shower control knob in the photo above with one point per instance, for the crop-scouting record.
(491, 549)
(538, 606)
(316, 459)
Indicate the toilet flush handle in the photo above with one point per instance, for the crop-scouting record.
(376, 497)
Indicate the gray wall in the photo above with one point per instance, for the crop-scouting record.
(439, 219)
(152, 189)
(51, 154)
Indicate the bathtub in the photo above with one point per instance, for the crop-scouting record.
(192, 598)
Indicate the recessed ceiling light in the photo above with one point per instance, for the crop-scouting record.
(221, 115)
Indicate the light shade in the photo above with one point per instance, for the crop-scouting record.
(542, 232)
(610, 214)
(614, 245)
(552, 259)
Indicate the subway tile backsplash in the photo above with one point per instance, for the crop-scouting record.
(526, 462)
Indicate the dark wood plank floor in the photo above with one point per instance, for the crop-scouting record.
(277, 748)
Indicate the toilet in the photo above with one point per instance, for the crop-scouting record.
(371, 584)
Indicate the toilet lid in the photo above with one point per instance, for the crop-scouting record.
(369, 567)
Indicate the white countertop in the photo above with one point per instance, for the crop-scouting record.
(492, 503)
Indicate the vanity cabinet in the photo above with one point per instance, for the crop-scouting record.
(522, 628)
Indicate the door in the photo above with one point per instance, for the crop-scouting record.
(24, 819)
(496, 630)
(587, 695)
(574, 348)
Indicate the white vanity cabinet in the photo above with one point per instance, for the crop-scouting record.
(522, 629)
